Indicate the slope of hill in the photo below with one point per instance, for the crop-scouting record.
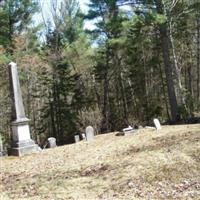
(149, 164)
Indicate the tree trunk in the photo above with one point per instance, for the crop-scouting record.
(164, 38)
(117, 63)
(198, 57)
(105, 122)
(189, 73)
(161, 76)
(177, 68)
(123, 97)
(53, 113)
(10, 34)
(105, 104)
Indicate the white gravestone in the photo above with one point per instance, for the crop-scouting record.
(51, 142)
(89, 131)
(83, 136)
(77, 138)
(21, 140)
(129, 130)
(157, 124)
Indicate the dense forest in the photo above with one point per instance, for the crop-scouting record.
(141, 61)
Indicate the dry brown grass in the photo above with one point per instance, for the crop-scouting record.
(150, 164)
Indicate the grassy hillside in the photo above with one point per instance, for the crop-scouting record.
(150, 164)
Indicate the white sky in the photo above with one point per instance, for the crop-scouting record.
(45, 4)
(83, 5)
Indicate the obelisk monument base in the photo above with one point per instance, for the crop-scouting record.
(21, 142)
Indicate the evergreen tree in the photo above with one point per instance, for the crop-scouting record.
(108, 67)
(15, 16)
(62, 105)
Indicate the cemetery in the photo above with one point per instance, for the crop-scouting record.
(99, 100)
(153, 161)
(146, 164)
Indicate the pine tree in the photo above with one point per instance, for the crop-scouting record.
(15, 16)
(108, 66)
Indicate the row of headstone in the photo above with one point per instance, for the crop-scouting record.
(21, 140)
(130, 129)
(88, 135)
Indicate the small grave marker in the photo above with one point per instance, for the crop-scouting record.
(76, 138)
(157, 124)
(128, 130)
(89, 131)
(83, 137)
(51, 142)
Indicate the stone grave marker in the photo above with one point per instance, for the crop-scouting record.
(77, 138)
(128, 130)
(51, 142)
(89, 131)
(157, 124)
(21, 140)
(83, 137)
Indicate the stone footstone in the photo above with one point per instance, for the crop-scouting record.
(77, 138)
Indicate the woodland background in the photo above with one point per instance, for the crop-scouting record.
(137, 64)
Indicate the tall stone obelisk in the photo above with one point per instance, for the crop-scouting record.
(21, 141)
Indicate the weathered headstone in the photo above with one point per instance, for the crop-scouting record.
(21, 140)
(83, 136)
(77, 138)
(157, 124)
(129, 130)
(89, 131)
(51, 142)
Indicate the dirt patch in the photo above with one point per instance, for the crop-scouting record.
(95, 170)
